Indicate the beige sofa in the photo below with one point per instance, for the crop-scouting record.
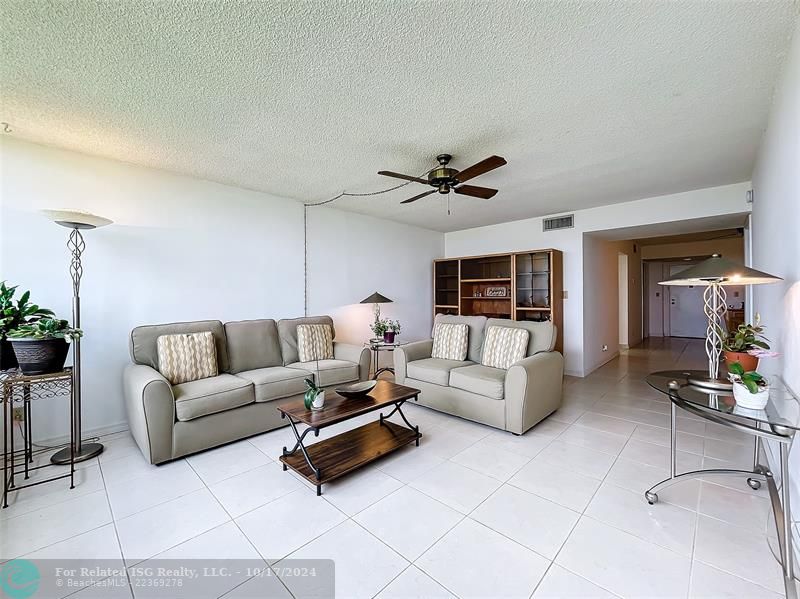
(512, 400)
(259, 369)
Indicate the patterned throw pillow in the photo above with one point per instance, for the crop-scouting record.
(503, 346)
(314, 342)
(187, 357)
(450, 341)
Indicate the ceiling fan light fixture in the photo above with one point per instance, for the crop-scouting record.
(444, 188)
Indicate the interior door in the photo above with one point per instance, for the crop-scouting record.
(686, 317)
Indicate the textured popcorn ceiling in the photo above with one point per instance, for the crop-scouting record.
(591, 103)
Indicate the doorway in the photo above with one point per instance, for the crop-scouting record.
(686, 317)
(622, 282)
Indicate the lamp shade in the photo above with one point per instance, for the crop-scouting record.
(376, 298)
(76, 219)
(722, 271)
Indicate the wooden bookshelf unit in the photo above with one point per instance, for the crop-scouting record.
(520, 286)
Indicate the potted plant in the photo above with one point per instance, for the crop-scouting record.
(379, 327)
(392, 330)
(750, 389)
(743, 344)
(41, 346)
(12, 315)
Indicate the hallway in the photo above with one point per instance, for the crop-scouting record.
(723, 524)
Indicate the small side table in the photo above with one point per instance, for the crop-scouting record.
(377, 346)
(18, 388)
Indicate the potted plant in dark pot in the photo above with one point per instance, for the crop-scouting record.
(41, 346)
(379, 328)
(743, 345)
(392, 330)
(12, 315)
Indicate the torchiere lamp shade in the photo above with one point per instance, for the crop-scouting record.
(76, 219)
(376, 298)
(722, 271)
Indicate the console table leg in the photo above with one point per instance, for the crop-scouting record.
(788, 556)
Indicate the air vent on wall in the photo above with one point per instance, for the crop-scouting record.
(558, 222)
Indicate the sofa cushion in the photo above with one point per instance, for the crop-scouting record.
(212, 395)
(314, 342)
(476, 325)
(542, 334)
(253, 344)
(483, 380)
(450, 341)
(143, 340)
(434, 370)
(287, 330)
(331, 372)
(187, 357)
(276, 382)
(504, 346)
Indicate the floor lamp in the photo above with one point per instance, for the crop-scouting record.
(76, 221)
(715, 274)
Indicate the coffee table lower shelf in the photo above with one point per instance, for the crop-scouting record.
(347, 451)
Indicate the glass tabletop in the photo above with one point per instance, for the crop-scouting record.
(782, 409)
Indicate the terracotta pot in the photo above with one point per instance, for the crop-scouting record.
(748, 362)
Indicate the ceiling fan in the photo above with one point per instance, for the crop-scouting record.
(443, 178)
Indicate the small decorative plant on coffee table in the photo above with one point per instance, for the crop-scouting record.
(745, 345)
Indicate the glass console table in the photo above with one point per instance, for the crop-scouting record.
(778, 422)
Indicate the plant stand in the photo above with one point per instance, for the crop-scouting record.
(17, 388)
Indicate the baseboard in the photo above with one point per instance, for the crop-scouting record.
(88, 433)
(601, 364)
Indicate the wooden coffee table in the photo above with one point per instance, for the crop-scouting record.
(326, 460)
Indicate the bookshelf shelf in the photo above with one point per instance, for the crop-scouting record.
(532, 281)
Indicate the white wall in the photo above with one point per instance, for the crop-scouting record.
(187, 249)
(352, 255)
(775, 238)
(601, 308)
(528, 234)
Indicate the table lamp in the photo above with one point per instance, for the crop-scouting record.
(77, 221)
(715, 274)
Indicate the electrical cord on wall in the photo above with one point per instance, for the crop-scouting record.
(308, 205)
(50, 447)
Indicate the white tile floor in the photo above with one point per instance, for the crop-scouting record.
(472, 512)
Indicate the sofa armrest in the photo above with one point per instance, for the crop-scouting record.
(150, 406)
(356, 354)
(533, 390)
(418, 350)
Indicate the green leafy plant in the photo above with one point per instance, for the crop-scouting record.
(379, 327)
(45, 328)
(754, 381)
(15, 314)
(312, 390)
(745, 337)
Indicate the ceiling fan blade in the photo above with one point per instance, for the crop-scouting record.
(401, 176)
(475, 191)
(419, 197)
(484, 166)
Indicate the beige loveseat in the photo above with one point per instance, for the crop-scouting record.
(512, 400)
(259, 368)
